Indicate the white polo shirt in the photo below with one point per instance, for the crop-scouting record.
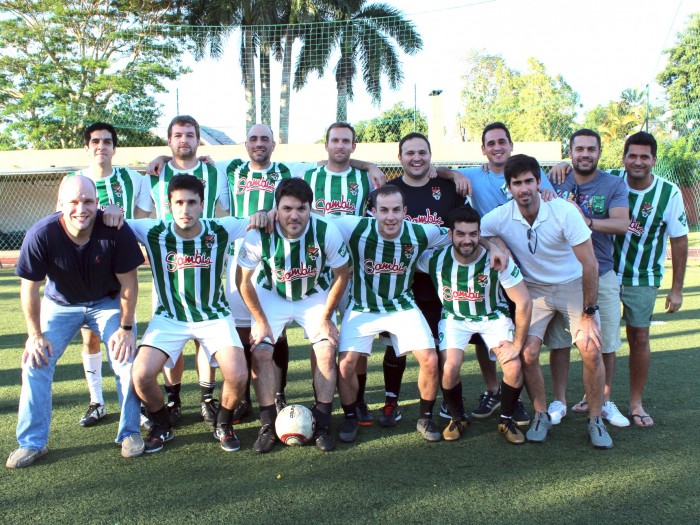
(558, 226)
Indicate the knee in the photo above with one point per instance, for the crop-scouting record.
(530, 356)
(429, 363)
(450, 373)
(347, 365)
(325, 357)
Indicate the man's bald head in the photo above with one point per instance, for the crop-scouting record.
(260, 144)
(77, 199)
(76, 185)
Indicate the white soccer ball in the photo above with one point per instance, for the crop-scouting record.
(295, 425)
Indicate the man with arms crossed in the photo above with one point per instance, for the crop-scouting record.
(552, 243)
(187, 258)
(295, 285)
(92, 281)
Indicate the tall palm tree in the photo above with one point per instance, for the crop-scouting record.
(370, 35)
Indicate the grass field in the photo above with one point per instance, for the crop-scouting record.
(390, 476)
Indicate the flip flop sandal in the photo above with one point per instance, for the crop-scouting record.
(641, 418)
(581, 407)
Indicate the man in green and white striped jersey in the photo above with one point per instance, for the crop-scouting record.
(183, 139)
(384, 250)
(129, 190)
(472, 303)
(657, 214)
(188, 256)
(304, 273)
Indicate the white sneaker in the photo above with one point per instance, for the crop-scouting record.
(556, 410)
(611, 414)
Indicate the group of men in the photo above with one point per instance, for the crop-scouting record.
(512, 270)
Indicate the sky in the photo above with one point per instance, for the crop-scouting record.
(600, 47)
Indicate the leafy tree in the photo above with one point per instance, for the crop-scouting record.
(391, 125)
(64, 64)
(370, 35)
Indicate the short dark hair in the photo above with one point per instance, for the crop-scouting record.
(186, 182)
(294, 187)
(98, 126)
(414, 135)
(183, 120)
(463, 214)
(584, 132)
(387, 189)
(335, 125)
(491, 127)
(641, 138)
(520, 163)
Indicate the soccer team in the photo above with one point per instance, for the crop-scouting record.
(522, 263)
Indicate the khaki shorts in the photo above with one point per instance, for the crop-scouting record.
(548, 299)
(638, 302)
(558, 334)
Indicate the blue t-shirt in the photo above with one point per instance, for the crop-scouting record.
(77, 274)
(489, 189)
(595, 198)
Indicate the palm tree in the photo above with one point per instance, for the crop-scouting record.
(364, 34)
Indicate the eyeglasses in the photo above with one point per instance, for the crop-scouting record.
(532, 240)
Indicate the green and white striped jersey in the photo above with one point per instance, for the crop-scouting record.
(469, 291)
(383, 269)
(655, 214)
(124, 187)
(253, 190)
(215, 189)
(187, 272)
(339, 193)
(296, 268)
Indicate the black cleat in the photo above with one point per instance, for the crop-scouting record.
(266, 440)
(324, 440)
(156, 437)
(208, 410)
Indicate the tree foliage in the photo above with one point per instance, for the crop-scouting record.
(64, 64)
(535, 105)
(391, 125)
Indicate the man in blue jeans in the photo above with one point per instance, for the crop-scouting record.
(91, 270)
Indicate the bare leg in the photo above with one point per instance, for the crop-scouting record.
(534, 380)
(559, 361)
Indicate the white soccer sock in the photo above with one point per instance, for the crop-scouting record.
(92, 364)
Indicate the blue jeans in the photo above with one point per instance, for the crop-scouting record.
(59, 325)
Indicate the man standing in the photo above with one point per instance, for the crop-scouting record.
(552, 243)
(602, 200)
(295, 285)
(92, 281)
(129, 190)
(187, 257)
(428, 201)
(657, 213)
(473, 303)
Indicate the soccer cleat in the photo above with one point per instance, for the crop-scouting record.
(145, 422)
(24, 457)
(224, 434)
(94, 413)
(556, 411)
(598, 433)
(509, 430)
(324, 440)
(348, 432)
(175, 412)
(132, 446)
(428, 429)
(280, 402)
(391, 415)
(520, 416)
(540, 428)
(157, 437)
(242, 410)
(488, 404)
(208, 410)
(445, 411)
(364, 416)
(613, 415)
(455, 429)
(265, 441)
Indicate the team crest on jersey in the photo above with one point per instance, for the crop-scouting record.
(436, 193)
(117, 189)
(274, 176)
(408, 250)
(646, 210)
(354, 189)
(209, 240)
(682, 219)
(482, 279)
(312, 252)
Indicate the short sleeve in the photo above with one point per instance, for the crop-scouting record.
(674, 215)
(336, 251)
(511, 275)
(128, 254)
(235, 226)
(423, 262)
(249, 255)
(222, 190)
(143, 191)
(32, 263)
(437, 237)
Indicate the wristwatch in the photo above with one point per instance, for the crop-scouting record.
(590, 309)
(127, 327)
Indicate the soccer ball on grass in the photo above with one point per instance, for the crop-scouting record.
(295, 425)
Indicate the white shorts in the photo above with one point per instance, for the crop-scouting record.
(455, 333)
(408, 330)
(239, 311)
(170, 336)
(280, 312)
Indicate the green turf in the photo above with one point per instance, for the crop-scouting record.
(391, 476)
